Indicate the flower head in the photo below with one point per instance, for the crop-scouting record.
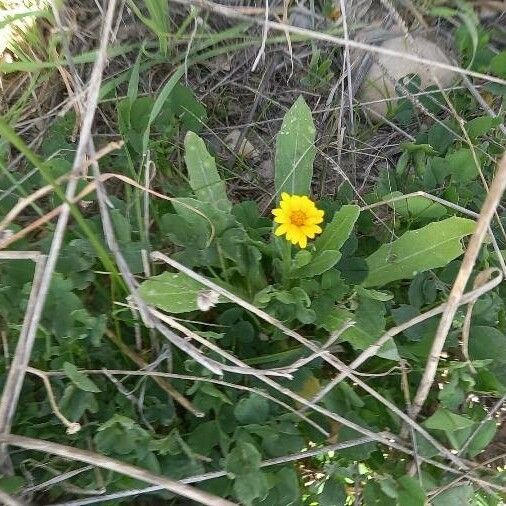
(298, 218)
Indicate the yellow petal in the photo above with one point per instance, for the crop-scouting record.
(303, 241)
(309, 231)
(281, 230)
(314, 220)
(285, 205)
(292, 233)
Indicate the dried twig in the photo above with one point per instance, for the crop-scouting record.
(487, 212)
(96, 459)
(15, 377)
(164, 385)
(160, 375)
(334, 361)
(8, 500)
(38, 297)
(217, 474)
(72, 427)
(231, 13)
(389, 334)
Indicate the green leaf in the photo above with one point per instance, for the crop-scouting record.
(250, 487)
(159, 102)
(302, 258)
(461, 165)
(286, 491)
(79, 379)
(418, 206)
(410, 493)
(360, 335)
(318, 265)
(295, 151)
(434, 245)
(252, 409)
(332, 494)
(172, 292)
(190, 111)
(498, 64)
(482, 438)
(244, 459)
(374, 294)
(200, 214)
(447, 421)
(204, 178)
(336, 233)
(469, 18)
(176, 228)
(75, 402)
(456, 496)
(481, 126)
(443, 12)
(489, 343)
(452, 394)
(441, 136)
(204, 438)
(12, 484)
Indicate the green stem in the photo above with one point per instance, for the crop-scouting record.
(286, 259)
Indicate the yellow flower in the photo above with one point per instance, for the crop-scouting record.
(298, 218)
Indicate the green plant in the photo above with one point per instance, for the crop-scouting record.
(318, 289)
(286, 423)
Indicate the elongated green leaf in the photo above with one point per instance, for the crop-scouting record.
(133, 83)
(469, 18)
(295, 151)
(338, 230)
(318, 265)
(79, 379)
(160, 100)
(418, 250)
(481, 126)
(173, 292)
(204, 178)
(416, 207)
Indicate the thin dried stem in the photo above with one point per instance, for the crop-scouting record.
(76, 454)
(37, 300)
(373, 349)
(17, 370)
(167, 387)
(8, 500)
(218, 474)
(72, 427)
(231, 13)
(487, 213)
(334, 361)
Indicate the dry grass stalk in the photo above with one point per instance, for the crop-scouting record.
(482, 226)
(76, 454)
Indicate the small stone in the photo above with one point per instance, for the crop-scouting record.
(387, 70)
(247, 150)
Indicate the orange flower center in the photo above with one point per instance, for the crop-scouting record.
(298, 218)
